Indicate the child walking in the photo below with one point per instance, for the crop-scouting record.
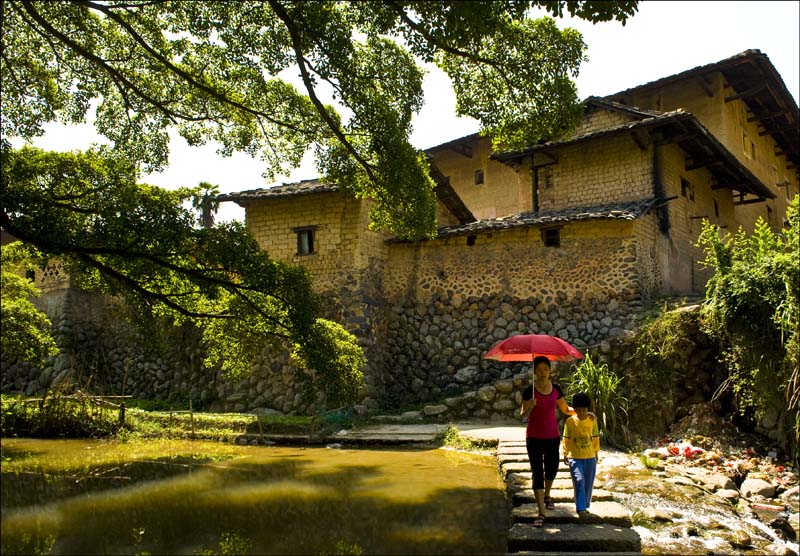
(581, 445)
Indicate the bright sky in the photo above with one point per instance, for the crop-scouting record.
(662, 39)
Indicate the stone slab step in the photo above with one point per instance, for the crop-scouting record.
(512, 458)
(520, 480)
(536, 553)
(573, 537)
(525, 467)
(512, 444)
(612, 513)
(504, 448)
(526, 496)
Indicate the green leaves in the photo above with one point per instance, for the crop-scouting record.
(25, 334)
(139, 242)
(223, 71)
(753, 307)
(518, 82)
(603, 387)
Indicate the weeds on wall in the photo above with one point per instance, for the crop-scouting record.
(663, 344)
(604, 388)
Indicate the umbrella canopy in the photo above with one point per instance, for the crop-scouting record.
(526, 347)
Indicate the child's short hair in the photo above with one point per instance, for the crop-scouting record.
(581, 399)
(540, 359)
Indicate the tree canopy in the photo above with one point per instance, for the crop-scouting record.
(218, 71)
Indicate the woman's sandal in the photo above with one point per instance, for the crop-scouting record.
(538, 521)
(549, 504)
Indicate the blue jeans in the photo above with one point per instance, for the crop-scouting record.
(582, 472)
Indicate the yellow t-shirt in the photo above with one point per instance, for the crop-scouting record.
(581, 438)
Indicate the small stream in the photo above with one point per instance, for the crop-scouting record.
(676, 518)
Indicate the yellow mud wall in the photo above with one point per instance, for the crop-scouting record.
(678, 255)
(727, 121)
(504, 191)
(342, 240)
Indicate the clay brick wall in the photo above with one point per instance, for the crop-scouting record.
(596, 120)
(596, 172)
(341, 237)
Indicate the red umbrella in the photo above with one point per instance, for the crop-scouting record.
(526, 347)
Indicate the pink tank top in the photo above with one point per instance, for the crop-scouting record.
(542, 421)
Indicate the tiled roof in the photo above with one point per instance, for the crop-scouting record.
(656, 120)
(619, 107)
(305, 187)
(626, 211)
(689, 133)
(758, 83)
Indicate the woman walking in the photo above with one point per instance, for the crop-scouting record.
(542, 438)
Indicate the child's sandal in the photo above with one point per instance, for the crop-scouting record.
(538, 521)
(549, 504)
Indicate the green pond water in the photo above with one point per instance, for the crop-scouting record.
(183, 497)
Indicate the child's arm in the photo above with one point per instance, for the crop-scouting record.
(567, 442)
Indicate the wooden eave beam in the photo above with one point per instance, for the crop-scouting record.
(540, 159)
(749, 201)
(777, 129)
(768, 116)
(748, 93)
(640, 141)
(695, 165)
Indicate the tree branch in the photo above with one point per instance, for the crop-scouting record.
(186, 76)
(294, 33)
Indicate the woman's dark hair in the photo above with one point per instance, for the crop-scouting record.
(540, 359)
(581, 400)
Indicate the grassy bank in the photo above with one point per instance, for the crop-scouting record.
(93, 417)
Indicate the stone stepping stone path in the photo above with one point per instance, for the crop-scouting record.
(605, 530)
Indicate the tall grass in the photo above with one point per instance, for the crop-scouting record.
(603, 387)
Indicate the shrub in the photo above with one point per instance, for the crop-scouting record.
(752, 307)
(610, 406)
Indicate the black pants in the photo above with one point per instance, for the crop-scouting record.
(543, 455)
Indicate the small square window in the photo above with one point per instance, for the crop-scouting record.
(716, 209)
(305, 241)
(551, 237)
(471, 240)
(478, 177)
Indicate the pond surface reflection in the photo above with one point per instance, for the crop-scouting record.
(181, 497)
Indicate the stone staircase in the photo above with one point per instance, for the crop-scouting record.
(605, 530)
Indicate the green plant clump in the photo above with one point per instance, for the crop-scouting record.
(452, 438)
(57, 416)
(752, 307)
(611, 407)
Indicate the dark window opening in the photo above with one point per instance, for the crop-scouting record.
(478, 177)
(305, 241)
(471, 240)
(716, 209)
(551, 237)
(687, 189)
